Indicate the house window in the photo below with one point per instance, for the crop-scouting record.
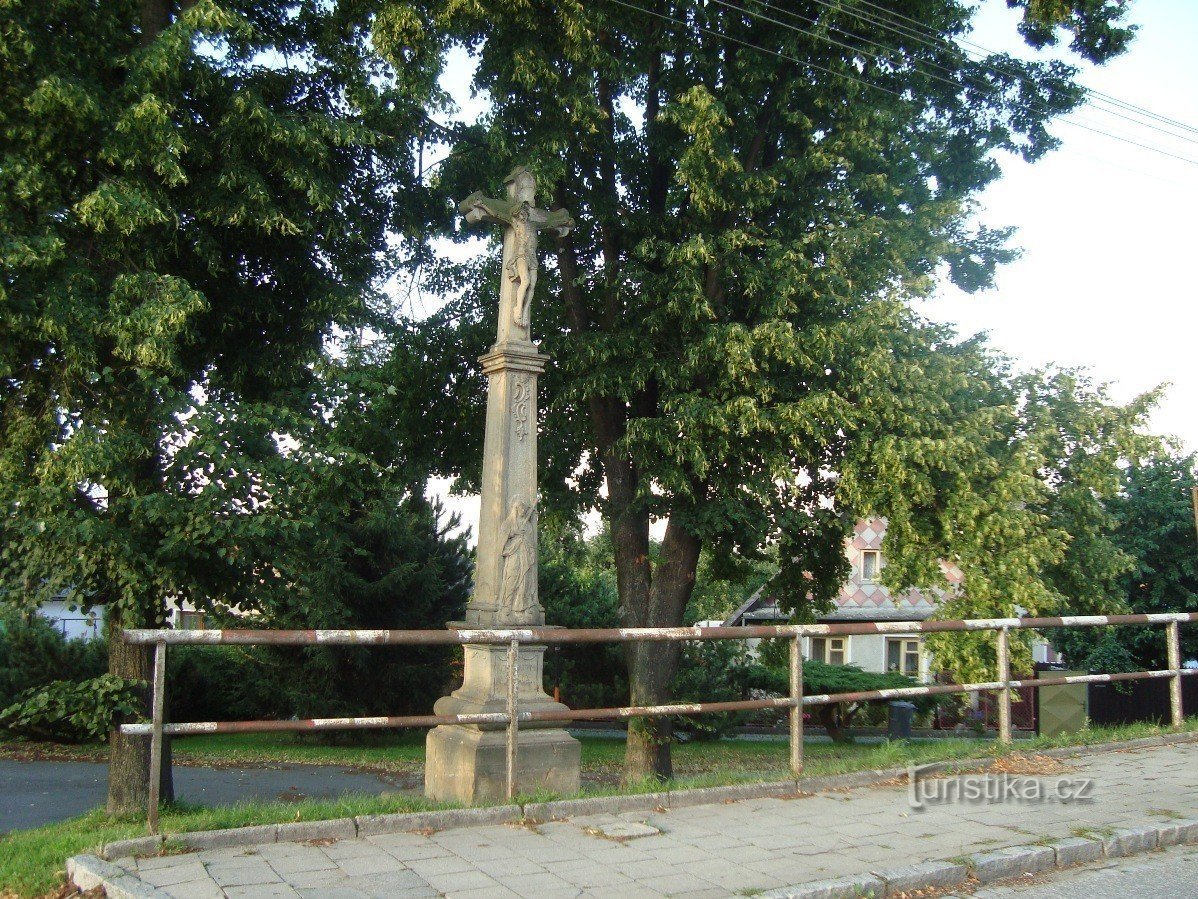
(871, 564)
(191, 621)
(902, 655)
(831, 650)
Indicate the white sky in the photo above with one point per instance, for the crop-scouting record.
(1107, 229)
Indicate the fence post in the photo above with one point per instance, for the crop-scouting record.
(796, 706)
(158, 688)
(513, 720)
(1004, 676)
(1173, 638)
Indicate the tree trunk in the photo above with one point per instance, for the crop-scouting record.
(653, 666)
(129, 757)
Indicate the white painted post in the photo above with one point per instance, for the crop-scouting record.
(158, 688)
(796, 706)
(1004, 695)
(513, 720)
(1173, 638)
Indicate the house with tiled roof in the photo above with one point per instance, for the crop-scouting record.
(863, 598)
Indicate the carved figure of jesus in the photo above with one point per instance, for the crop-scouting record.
(522, 267)
(523, 221)
(518, 558)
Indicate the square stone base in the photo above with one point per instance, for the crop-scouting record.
(464, 764)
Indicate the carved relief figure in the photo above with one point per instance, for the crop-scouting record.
(518, 559)
(522, 267)
(523, 220)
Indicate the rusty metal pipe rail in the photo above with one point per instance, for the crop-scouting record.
(459, 636)
(620, 713)
(511, 718)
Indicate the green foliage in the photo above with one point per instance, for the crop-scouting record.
(72, 711)
(33, 653)
(734, 351)
(715, 671)
(577, 589)
(723, 584)
(191, 205)
(392, 564)
(820, 678)
(1154, 526)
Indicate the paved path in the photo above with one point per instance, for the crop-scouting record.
(713, 850)
(1173, 872)
(36, 793)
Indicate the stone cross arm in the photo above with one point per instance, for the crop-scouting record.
(480, 208)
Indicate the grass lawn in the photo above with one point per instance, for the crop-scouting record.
(31, 861)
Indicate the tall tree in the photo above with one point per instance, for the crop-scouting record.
(193, 195)
(1154, 527)
(759, 188)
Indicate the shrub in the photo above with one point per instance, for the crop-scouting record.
(72, 711)
(820, 678)
(716, 671)
(33, 654)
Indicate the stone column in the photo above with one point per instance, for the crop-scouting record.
(468, 763)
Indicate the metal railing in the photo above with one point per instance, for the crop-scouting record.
(795, 702)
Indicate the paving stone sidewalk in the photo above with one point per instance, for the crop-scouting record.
(736, 848)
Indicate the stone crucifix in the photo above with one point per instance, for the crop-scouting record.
(523, 220)
(468, 763)
(505, 582)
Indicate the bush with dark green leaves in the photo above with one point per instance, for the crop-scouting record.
(820, 678)
(716, 671)
(578, 590)
(33, 653)
(72, 711)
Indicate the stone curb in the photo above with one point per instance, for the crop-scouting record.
(926, 875)
(1000, 864)
(372, 825)
(595, 805)
(844, 888)
(88, 872)
(369, 825)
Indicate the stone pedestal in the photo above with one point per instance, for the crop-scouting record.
(468, 763)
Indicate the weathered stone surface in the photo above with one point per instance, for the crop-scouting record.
(1177, 833)
(1130, 842)
(733, 793)
(1076, 851)
(443, 819)
(594, 805)
(88, 872)
(233, 836)
(1011, 862)
(922, 876)
(135, 847)
(623, 830)
(470, 765)
(842, 888)
(467, 763)
(337, 829)
(848, 781)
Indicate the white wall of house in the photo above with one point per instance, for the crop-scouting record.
(74, 624)
(869, 652)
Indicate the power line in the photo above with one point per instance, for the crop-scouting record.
(939, 41)
(918, 29)
(752, 46)
(952, 83)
